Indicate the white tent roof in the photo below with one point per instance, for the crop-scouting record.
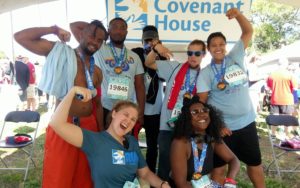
(8, 5)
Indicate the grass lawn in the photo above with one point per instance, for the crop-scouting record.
(290, 180)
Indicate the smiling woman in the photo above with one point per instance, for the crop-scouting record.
(114, 156)
(196, 138)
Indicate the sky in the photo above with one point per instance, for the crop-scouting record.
(60, 13)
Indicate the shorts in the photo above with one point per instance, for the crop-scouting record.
(244, 144)
(31, 91)
(282, 109)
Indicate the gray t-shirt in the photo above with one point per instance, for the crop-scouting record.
(111, 164)
(115, 86)
(168, 71)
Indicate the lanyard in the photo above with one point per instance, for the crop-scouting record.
(119, 60)
(189, 87)
(218, 75)
(88, 73)
(198, 163)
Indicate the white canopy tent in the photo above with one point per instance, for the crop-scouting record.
(9, 5)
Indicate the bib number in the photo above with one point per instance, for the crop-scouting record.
(118, 88)
(203, 182)
(235, 76)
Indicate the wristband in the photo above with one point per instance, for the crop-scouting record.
(56, 29)
(163, 182)
(230, 180)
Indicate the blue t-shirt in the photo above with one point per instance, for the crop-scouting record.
(234, 101)
(111, 164)
(112, 81)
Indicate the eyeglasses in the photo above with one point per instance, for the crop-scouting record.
(196, 53)
(196, 112)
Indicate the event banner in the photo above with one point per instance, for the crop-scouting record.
(178, 21)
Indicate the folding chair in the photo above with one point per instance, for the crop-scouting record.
(12, 119)
(277, 120)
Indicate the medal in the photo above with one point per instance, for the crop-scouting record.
(221, 85)
(187, 95)
(118, 70)
(197, 176)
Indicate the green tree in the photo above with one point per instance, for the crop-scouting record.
(275, 25)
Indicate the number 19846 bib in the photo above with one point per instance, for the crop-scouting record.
(118, 88)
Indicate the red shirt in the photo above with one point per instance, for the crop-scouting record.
(282, 83)
(31, 73)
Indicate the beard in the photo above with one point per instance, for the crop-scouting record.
(86, 51)
(117, 42)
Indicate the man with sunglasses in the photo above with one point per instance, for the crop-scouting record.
(154, 96)
(181, 82)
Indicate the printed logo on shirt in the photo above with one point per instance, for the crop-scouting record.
(131, 158)
(120, 157)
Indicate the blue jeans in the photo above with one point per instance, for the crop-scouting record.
(164, 145)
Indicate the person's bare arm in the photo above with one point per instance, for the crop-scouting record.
(245, 25)
(140, 95)
(146, 174)
(76, 29)
(178, 162)
(203, 96)
(68, 131)
(32, 40)
(150, 60)
(228, 156)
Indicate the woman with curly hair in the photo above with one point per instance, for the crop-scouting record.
(196, 138)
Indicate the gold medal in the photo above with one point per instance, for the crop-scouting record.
(221, 86)
(187, 95)
(197, 176)
(118, 70)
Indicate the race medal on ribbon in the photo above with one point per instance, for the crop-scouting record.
(197, 176)
(221, 85)
(187, 95)
(118, 70)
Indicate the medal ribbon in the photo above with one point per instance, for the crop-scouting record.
(119, 60)
(218, 75)
(88, 73)
(189, 87)
(198, 163)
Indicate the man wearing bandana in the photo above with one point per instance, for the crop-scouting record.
(224, 84)
(181, 82)
(154, 96)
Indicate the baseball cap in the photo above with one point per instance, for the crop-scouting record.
(150, 32)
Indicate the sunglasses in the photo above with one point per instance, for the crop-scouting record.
(199, 111)
(196, 53)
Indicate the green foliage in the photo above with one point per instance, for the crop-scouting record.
(275, 25)
(24, 130)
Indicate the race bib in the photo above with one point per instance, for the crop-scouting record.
(134, 184)
(118, 88)
(175, 113)
(235, 76)
(203, 182)
(147, 80)
(176, 110)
